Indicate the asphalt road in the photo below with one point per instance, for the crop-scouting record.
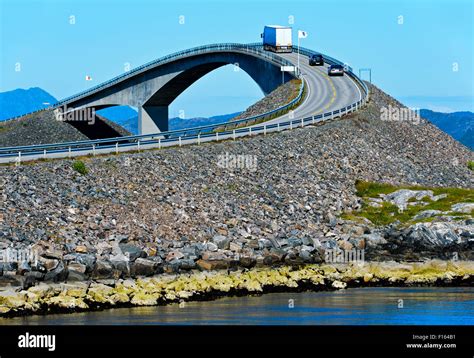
(323, 93)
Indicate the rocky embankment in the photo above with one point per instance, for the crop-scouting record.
(163, 289)
(179, 210)
(44, 128)
(282, 95)
(38, 128)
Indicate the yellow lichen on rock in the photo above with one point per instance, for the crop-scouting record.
(99, 293)
(141, 298)
(68, 302)
(119, 297)
(173, 287)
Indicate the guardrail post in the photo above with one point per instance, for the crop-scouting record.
(44, 154)
(116, 148)
(19, 158)
(179, 139)
(332, 114)
(138, 145)
(217, 136)
(313, 120)
(93, 149)
(264, 129)
(233, 134)
(291, 125)
(199, 138)
(302, 123)
(278, 127)
(250, 131)
(69, 152)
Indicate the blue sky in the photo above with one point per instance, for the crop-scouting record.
(413, 61)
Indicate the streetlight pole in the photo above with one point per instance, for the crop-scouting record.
(299, 54)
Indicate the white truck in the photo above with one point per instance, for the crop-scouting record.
(277, 38)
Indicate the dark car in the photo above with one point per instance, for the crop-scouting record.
(336, 70)
(316, 60)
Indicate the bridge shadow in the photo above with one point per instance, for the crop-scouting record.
(99, 128)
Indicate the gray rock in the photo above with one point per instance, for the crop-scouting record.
(121, 263)
(187, 264)
(282, 242)
(427, 214)
(374, 240)
(77, 267)
(432, 236)
(222, 242)
(401, 197)
(331, 219)
(294, 242)
(103, 270)
(210, 246)
(58, 274)
(74, 276)
(143, 267)
(132, 251)
(463, 208)
(87, 260)
(306, 256)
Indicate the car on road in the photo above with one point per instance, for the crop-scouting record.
(336, 70)
(316, 60)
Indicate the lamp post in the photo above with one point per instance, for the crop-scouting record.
(301, 35)
(369, 70)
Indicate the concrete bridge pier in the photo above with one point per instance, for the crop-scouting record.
(152, 119)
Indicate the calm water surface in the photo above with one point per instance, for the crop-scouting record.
(359, 306)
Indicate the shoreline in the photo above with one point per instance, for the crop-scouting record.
(163, 289)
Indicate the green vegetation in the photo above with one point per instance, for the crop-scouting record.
(388, 213)
(80, 167)
(369, 189)
(470, 165)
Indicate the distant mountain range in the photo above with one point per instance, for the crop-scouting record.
(460, 125)
(128, 118)
(20, 101)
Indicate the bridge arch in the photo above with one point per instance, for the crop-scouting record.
(155, 88)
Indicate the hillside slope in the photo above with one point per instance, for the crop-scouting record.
(38, 128)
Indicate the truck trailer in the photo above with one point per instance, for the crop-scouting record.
(277, 38)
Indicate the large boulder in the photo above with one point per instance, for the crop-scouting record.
(103, 270)
(133, 251)
(58, 274)
(143, 267)
(432, 236)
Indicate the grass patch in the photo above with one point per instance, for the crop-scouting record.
(80, 167)
(365, 188)
(470, 165)
(388, 213)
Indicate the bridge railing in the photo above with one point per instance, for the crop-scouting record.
(200, 133)
(168, 134)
